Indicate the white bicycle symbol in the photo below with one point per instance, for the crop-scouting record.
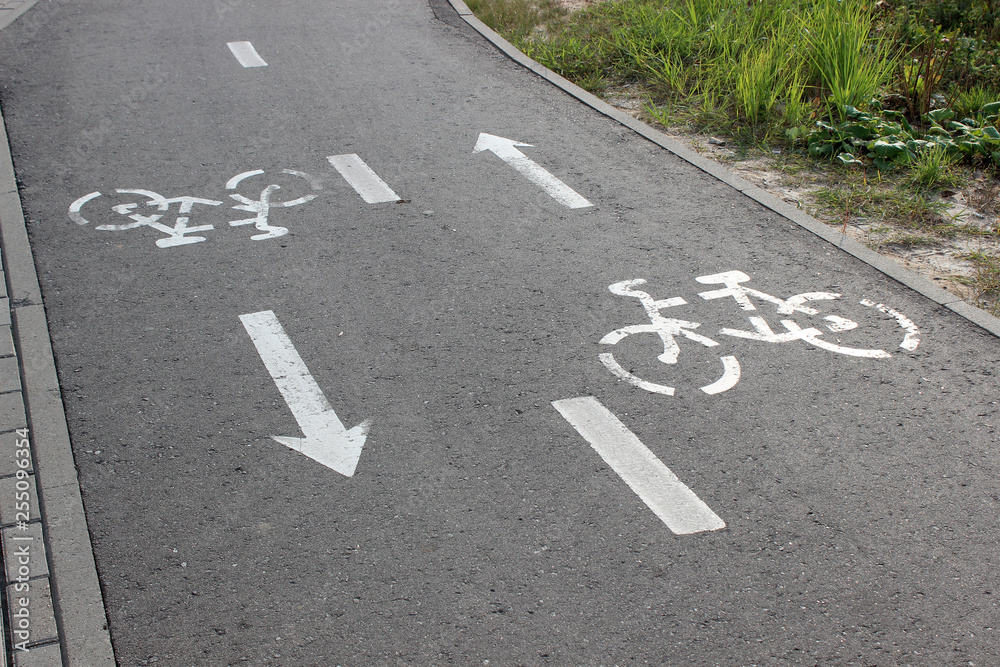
(180, 233)
(668, 329)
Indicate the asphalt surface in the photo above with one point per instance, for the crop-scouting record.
(859, 494)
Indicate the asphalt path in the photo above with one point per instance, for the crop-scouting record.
(859, 493)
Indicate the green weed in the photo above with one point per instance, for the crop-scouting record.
(845, 57)
(987, 280)
(933, 169)
(881, 204)
(969, 102)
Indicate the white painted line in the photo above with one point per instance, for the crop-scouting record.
(327, 441)
(246, 54)
(658, 487)
(506, 150)
(612, 365)
(730, 376)
(74, 208)
(361, 177)
(912, 339)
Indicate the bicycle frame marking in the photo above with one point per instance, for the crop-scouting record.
(668, 329)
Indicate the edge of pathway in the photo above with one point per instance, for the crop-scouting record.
(850, 246)
(77, 600)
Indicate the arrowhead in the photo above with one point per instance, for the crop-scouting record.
(498, 145)
(328, 443)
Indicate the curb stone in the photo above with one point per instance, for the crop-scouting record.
(67, 623)
(11, 9)
(883, 264)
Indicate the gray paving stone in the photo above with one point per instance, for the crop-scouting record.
(6, 342)
(41, 619)
(15, 543)
(11, 9)
(10, 375)
(12, 499)
(9, 454)
(43, 656)
(12, 411)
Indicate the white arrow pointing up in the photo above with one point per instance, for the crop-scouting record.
(327, 441)
(506, 150)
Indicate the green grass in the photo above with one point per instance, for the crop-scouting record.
(934, 169)
(844, 54)
(987, 280)
(882, 203)
(517, 18)
(717, 64)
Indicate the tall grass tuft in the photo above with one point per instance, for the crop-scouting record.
(759, 62)
(845, 60)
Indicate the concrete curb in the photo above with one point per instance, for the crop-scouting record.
(11, 9)
(77, 604)
(890, 268)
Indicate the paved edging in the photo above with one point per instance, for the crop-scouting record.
(77, 602)
(11, 9)
(915, 282)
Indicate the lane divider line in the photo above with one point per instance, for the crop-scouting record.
(246, 54)
(670, 499)
(363, 179)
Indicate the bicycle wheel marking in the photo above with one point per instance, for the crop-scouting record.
(74, 209)
(669, 329)
(262, 206)
(912, 338)
(612, 365)
(730, 376)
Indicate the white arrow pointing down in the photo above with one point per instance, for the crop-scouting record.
(506, 150)
(326, 439)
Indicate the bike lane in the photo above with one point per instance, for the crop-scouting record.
(479, 524)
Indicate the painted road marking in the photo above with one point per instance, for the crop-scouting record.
(506, 150)
(74, 209)
(246, 54)
(364, 181)
(730, 376)
(912, 338)
(658, 487)
(260, 207)
(667, 328)
(326, 439)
